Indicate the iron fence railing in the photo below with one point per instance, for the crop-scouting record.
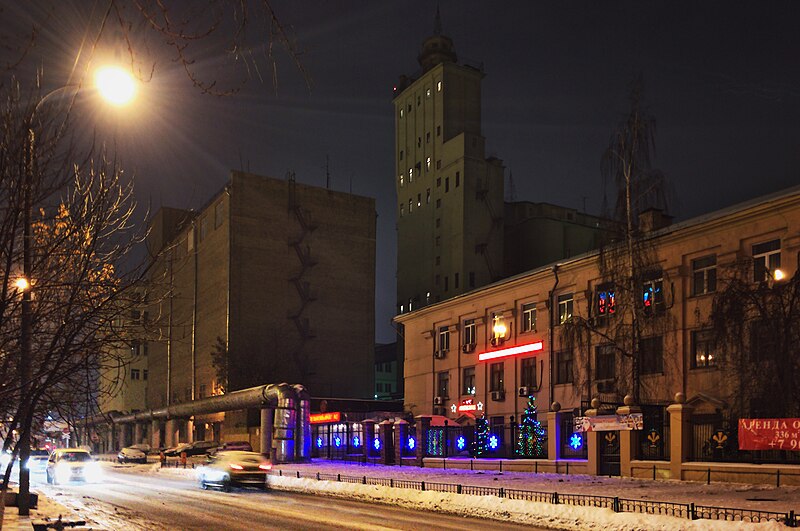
(689, 511)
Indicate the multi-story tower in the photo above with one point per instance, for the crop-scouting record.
(450, 196)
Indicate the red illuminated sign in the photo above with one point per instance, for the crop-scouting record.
(512, 351)
(766, 434)
(321, 418)
(467, 405)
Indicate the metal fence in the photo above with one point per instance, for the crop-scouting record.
(689, 511)
(653, 440)
(572, 443)
(715, 439)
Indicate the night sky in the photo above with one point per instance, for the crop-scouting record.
(722, 81)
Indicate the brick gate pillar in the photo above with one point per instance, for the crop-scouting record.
(680, 435)
(554, 431)
(628, 439)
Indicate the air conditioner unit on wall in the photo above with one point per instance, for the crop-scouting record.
(469, 347)
(498, 396)
(524, 391)
(440, 354)
(438, 400)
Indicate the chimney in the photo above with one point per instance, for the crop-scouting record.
(653, 219)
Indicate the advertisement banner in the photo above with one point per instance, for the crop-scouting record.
(769, 434)
(633, 421)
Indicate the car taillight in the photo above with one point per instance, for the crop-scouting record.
(236, 467)
(265, 467)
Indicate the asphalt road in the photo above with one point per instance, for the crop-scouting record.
(135, 501)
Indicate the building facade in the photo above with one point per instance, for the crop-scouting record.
(454, 353)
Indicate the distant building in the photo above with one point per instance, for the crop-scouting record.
(271, 281)
(388, 372)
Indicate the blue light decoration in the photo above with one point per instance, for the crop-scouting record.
(576, 441)
(337, 441)
(494, 442)
(376, 443)
(319, 442)
(356, 441)
(412, 443)
(461, 443)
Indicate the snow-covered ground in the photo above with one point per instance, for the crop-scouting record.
(759, 497)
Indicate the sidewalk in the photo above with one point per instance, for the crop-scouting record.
(46, 508)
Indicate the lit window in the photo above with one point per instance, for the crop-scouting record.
(496, 382)
(443, 384)
(428, 196)
(419, 200)
(564, 308)
(703, 354)
(411, 175)
(402, 209)
(606, 301)
(766, 259)
(410, 205)
(402, 180)
(428, 93)
(438, 86)
(428, 297)
(468, 381)
(428, 163)
(704, 275)
(402, 113)
(653, 295)
(529, 317)
(134, 374)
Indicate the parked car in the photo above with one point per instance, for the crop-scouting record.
(72, 464)
(146, 448)
(131, 454)
(240, 446)
(175, 451)
(37, 462)
(200, 448)
(234, 468)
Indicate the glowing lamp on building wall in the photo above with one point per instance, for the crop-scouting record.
(778, 274)
(499, 330)
(511, 351)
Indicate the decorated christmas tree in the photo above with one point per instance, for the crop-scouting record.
(531, 438)
(481, 437)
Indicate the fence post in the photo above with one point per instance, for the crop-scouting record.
(628, 439)
(391, 482)
(568, 468)
(615, 505)
(423, 485)
(501, 466)
(298, 474)
(458, 489)
(778, 480)
(536, 467)
(317, 476)
(555, 498)
(364, 480)
(708, 481)
(692, 512)
(501, 493)
(654, 472)
(338, 477)
(280, 472)
(680, 435)
(790, 519)
(423, 424)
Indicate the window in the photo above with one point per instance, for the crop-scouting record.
(564, 367)
(427, 93)
(455, 281)
(402, 113)
(468, 381)
(529, 317)
(438, 130)
(438, 182)
(651, 354)
(564, 308)
(766, 259)
(438, 203)
(443, 384)
(472, 279)
(437, 277)
(428, 137)
(218, 218)
(469, 332)
(438, 222)
(703, 349)
(401, 179)
(444, 338)
(402, 209)
(428, 196)
(606, 301)
(144, 374)
(438, 241)
(496, 381)
(202, 390)
(411, 175)
(419, 101)
(704, 275)
(401, 154)
(447, 184)
(410, 205)
(419, 200)
(379, 387)
(134, 374)
(438, 260)
(419, 141)
(458, 178)
(605, 363)
(203, 228)
(438, 86)
(653, 294)
(427, 297)
(446, 283)
(428, 163)
(528, 372)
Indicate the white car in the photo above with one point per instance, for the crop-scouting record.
(73, 464)
(131, 455)
(227, 469)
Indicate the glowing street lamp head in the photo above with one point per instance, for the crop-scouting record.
(778, 274)
(115, 85)
(22, 284)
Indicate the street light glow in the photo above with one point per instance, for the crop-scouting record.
(22, 284)
(116, 85)
(778, 275)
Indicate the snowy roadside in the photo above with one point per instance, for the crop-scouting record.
(47, 508)
(492, 507)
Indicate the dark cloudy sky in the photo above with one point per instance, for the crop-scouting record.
(721, 78)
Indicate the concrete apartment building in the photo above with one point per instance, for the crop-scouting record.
(446, 342)
(271, 281)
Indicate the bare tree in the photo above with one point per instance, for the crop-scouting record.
(756, 329)
(628, 315)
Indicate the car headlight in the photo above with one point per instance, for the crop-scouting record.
(93, 472)
(62, 472)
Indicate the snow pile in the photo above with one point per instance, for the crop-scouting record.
(523, 512)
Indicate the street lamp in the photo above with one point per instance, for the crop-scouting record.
(118, 88)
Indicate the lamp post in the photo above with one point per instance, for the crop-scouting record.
(118, 88)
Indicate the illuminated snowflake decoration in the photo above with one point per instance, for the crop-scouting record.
(356, 441)
(461, 442)
(376, 444)
(319, 442)
(337, 441)
(494, 442)
(412, 443)
(576, 441)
